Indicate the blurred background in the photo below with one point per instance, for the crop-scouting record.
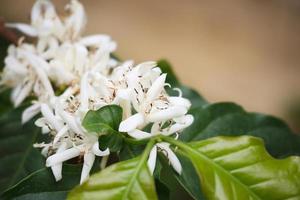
(245, 51)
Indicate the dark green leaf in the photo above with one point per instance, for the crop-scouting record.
(18, 158)
(42, 185)
(113, 141)
(128, 179)
(104, 120)
(230, 119)
(191, 185)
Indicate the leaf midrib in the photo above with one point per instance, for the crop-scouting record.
(202, 156)
(138, 169)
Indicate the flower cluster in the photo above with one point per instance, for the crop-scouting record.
(83, 69)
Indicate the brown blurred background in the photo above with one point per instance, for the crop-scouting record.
(245, 51)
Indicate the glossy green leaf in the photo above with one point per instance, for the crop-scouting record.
(128, 179)
(240, 168)
(191, 94)
(18, 158)
(104, 120)
(42, 185)
(230, 119)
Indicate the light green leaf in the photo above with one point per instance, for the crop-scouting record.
(104, 120)
(240, 168)
(229, 119)
(128, 179)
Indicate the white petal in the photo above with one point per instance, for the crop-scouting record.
(48, 114)
(171, 156)
(63, 156)
(152, 159)
(60, 133)
(40, 66)
(89, 159)
(156, 88)
(84, 92)
(138, 134)
(144, 67)
(57, 169)
(179, 101)
(94, 40)
(68, 118)
(185, 121)
(24, 92)
(30, 112)
(13, 64)
(155, 128)
(25, 28)
(169, 113)
(131, 123)
(42, 122)
(98, 152)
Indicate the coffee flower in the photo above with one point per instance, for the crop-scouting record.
(82, 70)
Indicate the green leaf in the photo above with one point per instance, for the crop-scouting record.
(42, 185)
(232, 120)
(128, 179)
(191, 185)
(103, 121)
(191, 94)
(18, 158)
(241, 168)
(113, 141)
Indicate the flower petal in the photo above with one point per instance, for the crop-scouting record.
(138, 134)
(185, 121)
(23, 93)
(98, 152)
(60, 133)
(89, 159)
(179, 101)
(169, 113)
(156, 88)
(152, 159)
(48, 114)
(24, 28)
(57, 169)
(131, 123)
(30, 112)
(171, 156)
(63, 156)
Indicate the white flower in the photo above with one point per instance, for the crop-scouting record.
(90, 78)
(166, 150)
(153, 105)
(44, 21)
(70, 139)
(166, 128)
(26, 73)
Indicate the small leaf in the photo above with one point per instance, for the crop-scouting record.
(113, 141)
(42, 185)
(104, 120)
(229, 119)
(196, 99)
(240, 168)
(128, 179)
